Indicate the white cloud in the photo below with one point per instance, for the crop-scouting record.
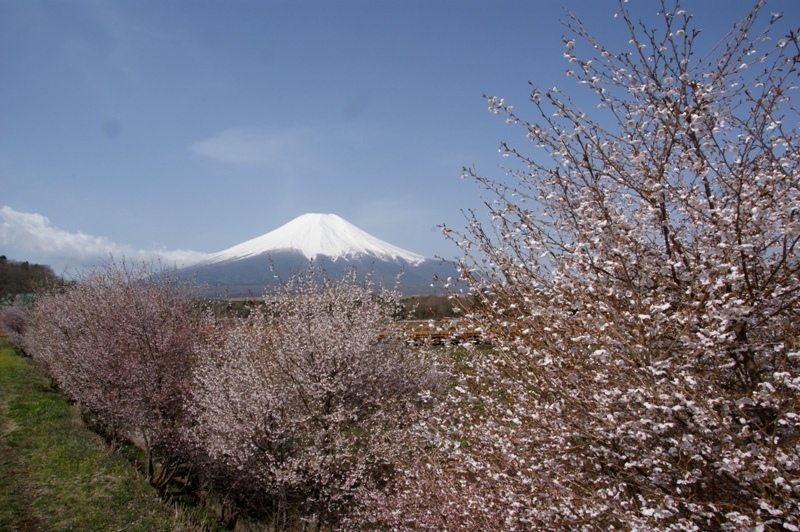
(35, 236)
(255, 145)
(293, 150)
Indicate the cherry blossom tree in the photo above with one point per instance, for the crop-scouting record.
(305, 406)
(13, 320)
(638, 279)
(121, 343)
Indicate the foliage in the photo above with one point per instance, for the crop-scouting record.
(433, 307)
(22, 278)
(121, 343)
(639, 280)
(228, 308)
(305, 406)
(57, 475)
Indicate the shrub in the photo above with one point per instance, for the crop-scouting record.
(121, 343)
(307, 403)
(13, 320)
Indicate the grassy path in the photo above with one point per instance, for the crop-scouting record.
(57, 475)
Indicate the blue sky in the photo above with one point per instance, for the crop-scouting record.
(134, 127)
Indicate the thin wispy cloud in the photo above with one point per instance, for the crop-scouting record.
(255, 145)
(293, 149)
(34, 235)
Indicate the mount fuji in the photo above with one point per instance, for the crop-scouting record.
(323, 241)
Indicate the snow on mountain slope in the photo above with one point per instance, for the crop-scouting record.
(318, 234)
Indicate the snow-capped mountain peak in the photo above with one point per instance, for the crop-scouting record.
(318, 234)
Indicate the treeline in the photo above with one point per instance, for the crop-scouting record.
(423, 307)
(435, 307)
(22, 278)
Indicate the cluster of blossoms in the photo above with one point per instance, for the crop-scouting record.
(640, 286)
(121, 343)
(13, 320)
(314, 398)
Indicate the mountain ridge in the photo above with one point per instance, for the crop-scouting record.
(321, 241)
(314, 234)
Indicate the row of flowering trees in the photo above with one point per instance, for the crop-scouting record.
(293, 413)
(639, 281)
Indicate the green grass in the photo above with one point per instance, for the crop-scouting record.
(55, 474)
